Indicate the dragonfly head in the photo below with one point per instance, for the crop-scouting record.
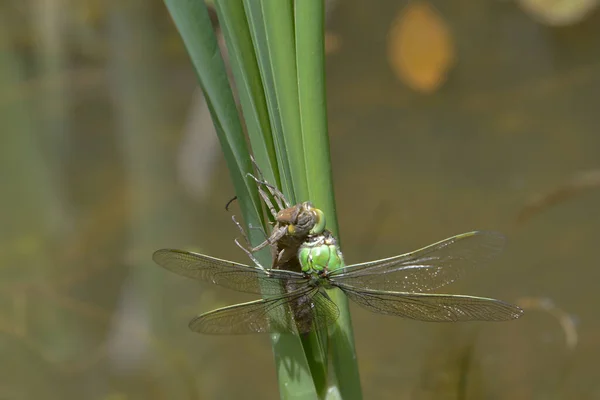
(302, 219)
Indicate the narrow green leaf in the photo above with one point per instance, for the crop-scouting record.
(232, 19)
(310, 55)
(310, 49)
(273, 21)
(258, 32)
(192, 20)
(279, 25)
(292, 82)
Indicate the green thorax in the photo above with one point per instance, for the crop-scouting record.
(320, 254)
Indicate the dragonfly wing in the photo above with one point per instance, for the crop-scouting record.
(299, 311)
(426, 269)
(227, 273)
(434, 307)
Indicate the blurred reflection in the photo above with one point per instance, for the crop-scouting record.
(558, 12)
(420, 47)
(574, 187)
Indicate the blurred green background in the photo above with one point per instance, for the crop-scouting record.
(445, 116)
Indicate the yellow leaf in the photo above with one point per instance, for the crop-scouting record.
(420, 47)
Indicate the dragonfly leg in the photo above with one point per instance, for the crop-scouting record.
(248, 250)
(248, 244)
(257, 169)
(258, 228)
(266, 197)
(249, 254)
(276, 193)
(242, 231)
(268, 202)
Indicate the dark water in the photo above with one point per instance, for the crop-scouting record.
(91, 187)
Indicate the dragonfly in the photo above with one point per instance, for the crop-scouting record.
(298, 302)
(293, 224)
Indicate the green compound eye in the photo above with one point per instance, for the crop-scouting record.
(320, 224)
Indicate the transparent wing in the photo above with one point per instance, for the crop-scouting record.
(227, 273)
(434, 307)
(426, 269)
(296, 312)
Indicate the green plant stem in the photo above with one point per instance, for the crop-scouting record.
(310, 56)
(193, 22)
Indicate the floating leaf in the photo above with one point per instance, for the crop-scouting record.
(420, 47)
